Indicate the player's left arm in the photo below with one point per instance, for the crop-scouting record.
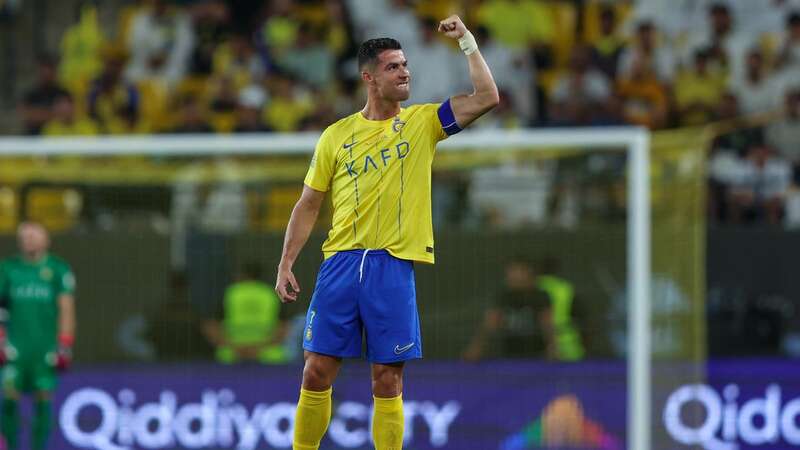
(485, 96)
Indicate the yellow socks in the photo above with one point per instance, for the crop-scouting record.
(311, 419)
(388, 424)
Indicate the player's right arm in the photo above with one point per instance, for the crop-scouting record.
(485, 96)
(304, 215)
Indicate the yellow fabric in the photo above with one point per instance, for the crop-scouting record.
(80, 51)
(82, 126)
(693, 88)
(388, 424)
(517, 23)
(285, 114)
(311, 419)
(644, 101)
(226, 64)
(379, 173)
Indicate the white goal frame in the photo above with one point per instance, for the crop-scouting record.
(635, 141)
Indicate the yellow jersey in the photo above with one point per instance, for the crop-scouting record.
(379, 175)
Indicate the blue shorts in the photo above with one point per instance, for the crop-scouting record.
(367, 292)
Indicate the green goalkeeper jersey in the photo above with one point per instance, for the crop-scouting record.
(30, 291)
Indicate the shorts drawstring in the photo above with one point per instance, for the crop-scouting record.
(361, 267)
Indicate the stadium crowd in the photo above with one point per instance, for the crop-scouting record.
(289, 65)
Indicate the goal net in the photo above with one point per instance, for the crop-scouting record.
(608, 223)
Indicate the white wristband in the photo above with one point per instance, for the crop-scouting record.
(467, 43)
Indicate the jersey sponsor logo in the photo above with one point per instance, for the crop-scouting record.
(32, 291)
(371, 162)
(399, 350)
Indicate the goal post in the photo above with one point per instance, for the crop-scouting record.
(633, 140)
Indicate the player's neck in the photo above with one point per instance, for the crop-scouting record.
(377, 109)
(34, 257)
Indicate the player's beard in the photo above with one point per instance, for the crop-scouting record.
(394, 93)
(401, 94)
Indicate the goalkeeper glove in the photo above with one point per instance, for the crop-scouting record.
(62, 358)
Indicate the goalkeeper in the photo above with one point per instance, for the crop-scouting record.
(36, 288)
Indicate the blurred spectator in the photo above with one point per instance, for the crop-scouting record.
(175, 327)
(784, 134)
(567, 345)
(643, 99)
(515, 194)
(81, 47)
(765, 18)
(192, 117)
(279, 30)
(340, 37)
(514, 72)
(519, 24)
(757, 91)
(224, 100)
(502, 116)
(36, 107)
(436, 71)
(211, 27)
(726, 46)
(698, 92)
(66, 121)
(398, 21)
(308, 58)
(759, 186)
(160, 43)
(289, 104)
(248, 112)
(646, 52)
(113, 102)
(581, 95)
(520, 318)
(252, 328)
(608, 48)
(238, 60)
(789, 51)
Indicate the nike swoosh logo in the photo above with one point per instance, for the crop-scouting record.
(398, 349)
(347, 146)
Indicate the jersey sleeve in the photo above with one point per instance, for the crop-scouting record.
(323, 163)
(65, 281)
(435, 127)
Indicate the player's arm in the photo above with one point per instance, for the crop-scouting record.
(304, 216)
(468, 107)
(66, 330)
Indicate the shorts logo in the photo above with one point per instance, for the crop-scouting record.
(398, 350)
(308, 336)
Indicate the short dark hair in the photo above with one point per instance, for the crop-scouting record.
(370, 49)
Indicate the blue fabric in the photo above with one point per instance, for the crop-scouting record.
(382, 306)
(448, 118)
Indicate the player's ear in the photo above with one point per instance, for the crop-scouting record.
(366, 76)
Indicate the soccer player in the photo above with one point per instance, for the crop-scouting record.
(377, 165)
(37, 290)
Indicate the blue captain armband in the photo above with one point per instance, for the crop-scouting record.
(448, 119)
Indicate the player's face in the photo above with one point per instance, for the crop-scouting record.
(32, 238)
(391, 76)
